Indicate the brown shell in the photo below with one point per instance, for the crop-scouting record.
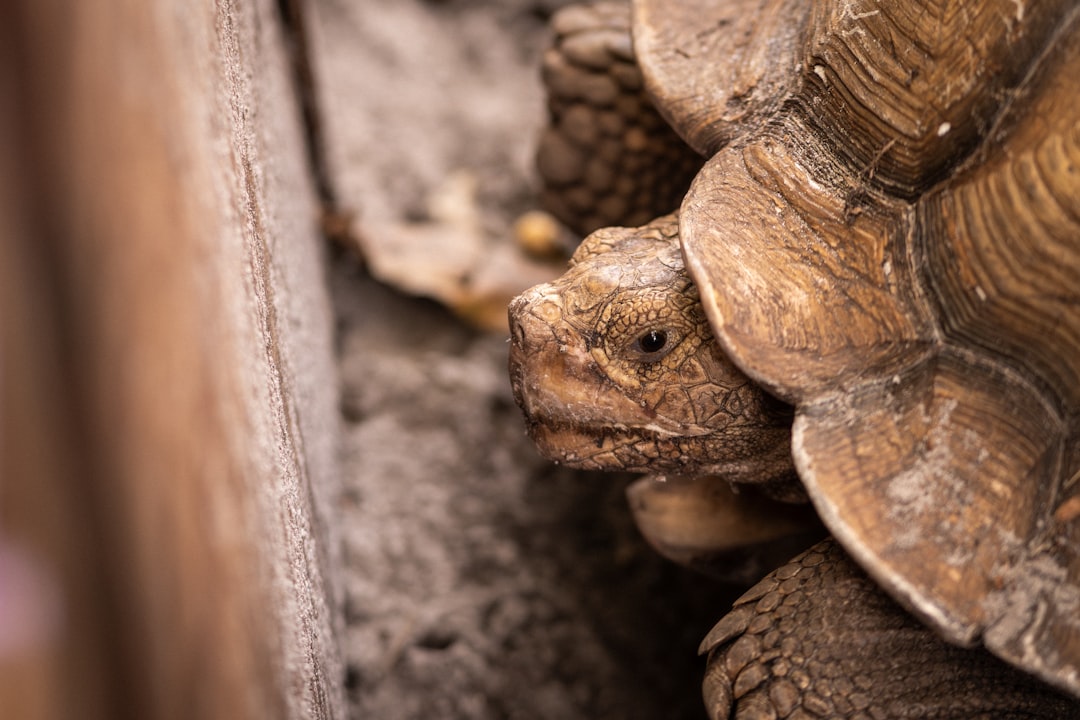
(888, 236)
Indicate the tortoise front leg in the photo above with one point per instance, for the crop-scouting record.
(733, 534)
(606, 157)
(818, 638)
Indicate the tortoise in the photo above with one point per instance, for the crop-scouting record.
(868, 298)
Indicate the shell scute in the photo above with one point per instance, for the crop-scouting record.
(895, 249)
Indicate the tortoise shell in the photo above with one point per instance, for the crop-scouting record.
(887, 236)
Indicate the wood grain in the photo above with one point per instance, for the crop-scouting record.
(167, 407)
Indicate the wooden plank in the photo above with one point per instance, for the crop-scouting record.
(167, 396)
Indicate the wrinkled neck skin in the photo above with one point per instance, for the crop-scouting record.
(615, 368)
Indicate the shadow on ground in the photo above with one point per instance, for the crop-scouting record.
(482, 581)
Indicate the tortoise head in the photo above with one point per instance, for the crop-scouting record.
(616, 368)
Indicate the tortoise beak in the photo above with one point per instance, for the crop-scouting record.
(555, 379)
(537, 349)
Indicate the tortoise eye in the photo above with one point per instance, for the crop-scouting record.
(651, 343)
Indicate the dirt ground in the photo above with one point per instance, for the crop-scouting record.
(482, 581)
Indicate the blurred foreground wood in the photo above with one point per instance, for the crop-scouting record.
(167, 394)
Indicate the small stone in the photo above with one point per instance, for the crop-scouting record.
(538, 234)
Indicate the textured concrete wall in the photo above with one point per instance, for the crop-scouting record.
(168, 412)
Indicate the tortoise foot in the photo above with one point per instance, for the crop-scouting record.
(607, 157)
(817, 638)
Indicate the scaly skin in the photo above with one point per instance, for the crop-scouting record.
(606, 157)
(818, 639)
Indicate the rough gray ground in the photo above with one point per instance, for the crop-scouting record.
(482, 581)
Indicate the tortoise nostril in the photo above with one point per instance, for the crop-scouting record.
(517, 332)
